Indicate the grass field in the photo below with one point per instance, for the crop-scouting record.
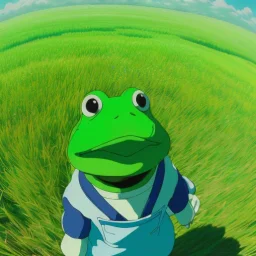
(200, 75)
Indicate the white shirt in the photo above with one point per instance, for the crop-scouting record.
(129, 204)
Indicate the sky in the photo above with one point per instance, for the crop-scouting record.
(239, 12)
(240, 4)
(4, 2)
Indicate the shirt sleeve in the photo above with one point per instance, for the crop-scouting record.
(180, 197)
(74, 224)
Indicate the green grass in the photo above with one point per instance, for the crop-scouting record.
(200, 75)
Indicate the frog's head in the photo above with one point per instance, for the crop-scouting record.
(118, 136)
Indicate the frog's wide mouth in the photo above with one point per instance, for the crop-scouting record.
(123, 146)
(122, 182)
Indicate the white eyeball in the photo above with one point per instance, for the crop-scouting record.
(91, 105)
(140, 100)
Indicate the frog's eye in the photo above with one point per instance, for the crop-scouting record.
(91, 105)
(140, 100)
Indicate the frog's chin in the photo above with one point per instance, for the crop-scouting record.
(122, 182)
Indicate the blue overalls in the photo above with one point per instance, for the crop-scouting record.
(88, 214)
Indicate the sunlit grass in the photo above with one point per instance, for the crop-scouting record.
(204, 97)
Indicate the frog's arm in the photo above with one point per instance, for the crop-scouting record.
(76, 228)
(183, 203)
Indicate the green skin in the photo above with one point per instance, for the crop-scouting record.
(120, 144)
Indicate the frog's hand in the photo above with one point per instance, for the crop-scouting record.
(74, 247)
(191, 186)
(180, 204)
(195, 202)
(76, 228)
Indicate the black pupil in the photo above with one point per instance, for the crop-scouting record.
(141, 100)
(92, 105)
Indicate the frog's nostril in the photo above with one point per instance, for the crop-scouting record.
(116, 117)
(132, 114)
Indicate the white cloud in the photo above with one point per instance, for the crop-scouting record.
(251, 21)
(11, 7)
(219, 9)
(244, 15)
(191, 1)
(222, 4)
(245, 11)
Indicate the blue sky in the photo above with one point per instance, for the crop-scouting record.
(4, 2)
(239, 12)
(240, 4)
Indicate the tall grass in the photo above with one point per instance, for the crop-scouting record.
(204, 98)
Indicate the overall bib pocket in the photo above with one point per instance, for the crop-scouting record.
(120, 233)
